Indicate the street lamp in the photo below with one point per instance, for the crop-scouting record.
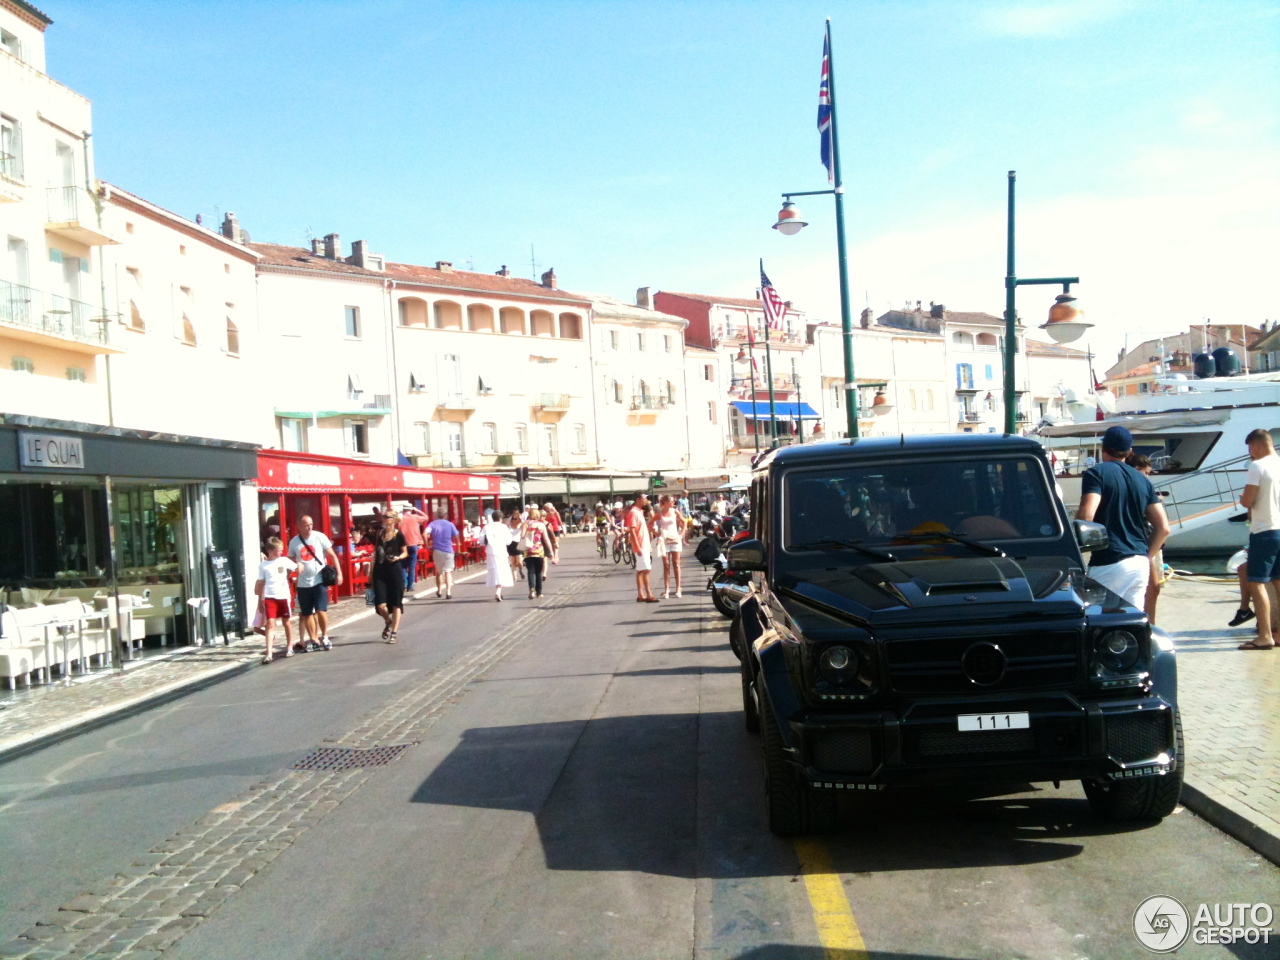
(881, 405)
(1063, 324)
(789, 224)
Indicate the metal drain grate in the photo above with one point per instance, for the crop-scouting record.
(348, 758)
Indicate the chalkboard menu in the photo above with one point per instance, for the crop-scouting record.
(226, 603)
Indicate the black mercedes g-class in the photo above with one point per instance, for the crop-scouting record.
(919, 613)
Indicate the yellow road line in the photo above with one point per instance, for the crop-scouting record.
(837, 929)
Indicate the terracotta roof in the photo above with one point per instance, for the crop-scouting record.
(123, 198)
(721, 301)
(694, 348)
(986, 319)
(479, 282)
(37, 18)
(1040, 348)
(299, 258)
(612, 307)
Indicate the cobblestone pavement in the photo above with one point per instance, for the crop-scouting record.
(153, 902)
(46, 712)
(1230, 701)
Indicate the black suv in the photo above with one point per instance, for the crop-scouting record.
(919, 614)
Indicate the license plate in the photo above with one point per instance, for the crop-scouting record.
(993, 721)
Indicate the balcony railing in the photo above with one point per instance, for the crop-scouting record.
(48, 313)
(551, 401)
(11, 166)
(649, 402)
(69, 204)
(456, 402)
(380, 401)
(743, 333)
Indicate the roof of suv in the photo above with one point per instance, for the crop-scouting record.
(879, 447)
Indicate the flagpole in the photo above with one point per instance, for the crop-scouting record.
(768, 365)
(842, 258)
(751, 355)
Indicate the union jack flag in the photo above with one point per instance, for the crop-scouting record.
(824, 112)
(775, 311)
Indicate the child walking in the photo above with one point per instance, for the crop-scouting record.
(273, 595)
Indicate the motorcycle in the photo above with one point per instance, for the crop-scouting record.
(727, 587)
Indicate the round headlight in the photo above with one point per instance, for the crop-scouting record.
(1118, 650)
(839, 665)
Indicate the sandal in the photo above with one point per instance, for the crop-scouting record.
(267, 658)
(289, 652)
(386, 632)
(1255, 645)
(392, 638)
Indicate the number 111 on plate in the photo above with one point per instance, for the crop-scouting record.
(993, 721)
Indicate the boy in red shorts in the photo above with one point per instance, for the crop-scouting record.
(273, 594)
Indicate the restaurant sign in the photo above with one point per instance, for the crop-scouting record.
(48, 451)
(314, 475)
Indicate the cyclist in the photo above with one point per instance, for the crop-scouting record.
(602, 524)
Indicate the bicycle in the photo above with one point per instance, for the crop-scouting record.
(602, 544)
(617, 549)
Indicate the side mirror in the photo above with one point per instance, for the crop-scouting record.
(1090, 536)
(746, 555)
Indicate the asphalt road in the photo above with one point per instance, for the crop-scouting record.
(594, 795)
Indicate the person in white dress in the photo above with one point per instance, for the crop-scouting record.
(496, 536)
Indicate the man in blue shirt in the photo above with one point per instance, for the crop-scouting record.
(1120, 498)
(440, 534)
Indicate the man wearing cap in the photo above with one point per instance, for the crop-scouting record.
(1120, 498)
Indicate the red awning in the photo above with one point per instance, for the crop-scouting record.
(280, 471)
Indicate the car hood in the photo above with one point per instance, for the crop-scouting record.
(932, 589)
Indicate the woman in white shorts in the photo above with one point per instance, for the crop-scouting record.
(668, 533)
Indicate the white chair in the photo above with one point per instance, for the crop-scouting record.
(198, 608)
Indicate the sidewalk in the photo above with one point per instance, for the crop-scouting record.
(1230, 702)
(48, 713)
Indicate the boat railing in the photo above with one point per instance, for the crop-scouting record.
(1202, 495)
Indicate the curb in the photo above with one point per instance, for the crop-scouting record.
(102, 716)
(1233, 818)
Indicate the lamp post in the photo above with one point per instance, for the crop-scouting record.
(790, 223)
(1064, 324)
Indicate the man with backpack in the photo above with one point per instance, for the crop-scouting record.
(318, 570)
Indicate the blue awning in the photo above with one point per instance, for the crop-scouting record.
(759, 410)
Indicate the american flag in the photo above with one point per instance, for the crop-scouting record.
(775, 311)
(824, 112)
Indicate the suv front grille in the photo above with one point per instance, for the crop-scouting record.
(843, 751)
(937, 743)
(1132, 737)
(934, 665)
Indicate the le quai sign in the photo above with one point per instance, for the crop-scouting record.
(48, 451)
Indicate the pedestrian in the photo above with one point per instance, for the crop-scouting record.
(682, 504)
(515, 524)
(551, 517)
(1123, 501)
(312, 551)
(669, 528)
(440, 534)
(1142, 463)
(1261, 497)
(388, 574)
(535, 542)
(637, 530)
(496, 537)
(272, 589)
(411, 526)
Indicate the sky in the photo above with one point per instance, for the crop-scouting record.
(648, 143)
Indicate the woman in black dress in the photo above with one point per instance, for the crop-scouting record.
(388, 574)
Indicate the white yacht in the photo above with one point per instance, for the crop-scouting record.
(1194, 432)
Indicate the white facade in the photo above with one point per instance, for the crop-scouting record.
(642, 406)
(706, 374)
(184, 307)
(53, 332)
(975, 363)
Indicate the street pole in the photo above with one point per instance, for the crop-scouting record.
(1010, 321)
(751, 356)
(768, 372)
(795, 378)
(842, 258)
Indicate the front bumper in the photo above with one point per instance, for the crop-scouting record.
(1068, 739)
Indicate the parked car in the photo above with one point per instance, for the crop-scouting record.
(919, 614)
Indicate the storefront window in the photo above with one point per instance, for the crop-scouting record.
(148, 525)
(51, 535)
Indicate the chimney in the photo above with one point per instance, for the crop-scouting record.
(444, 266)
(363, 257)
(504, 272)
(865, 320)
(936, 310)
(917, 306)
(231, 227)
(332, 246)
(644, 299)
(317, 247)
(549, 279)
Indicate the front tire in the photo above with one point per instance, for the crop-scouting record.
(723, 606)
(793, 807)
(1151, 798)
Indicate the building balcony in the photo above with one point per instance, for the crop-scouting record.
(12, 189)
(647, 402)
(54, 321)
(73, 214)
(551, 402)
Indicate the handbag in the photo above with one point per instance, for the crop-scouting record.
(328, 574)
(260, 620)
(370, 597)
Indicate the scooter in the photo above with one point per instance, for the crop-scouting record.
(727, 587)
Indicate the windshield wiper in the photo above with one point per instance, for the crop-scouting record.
(956, 538)
(850, 544)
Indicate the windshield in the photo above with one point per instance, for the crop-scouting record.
(980, 499)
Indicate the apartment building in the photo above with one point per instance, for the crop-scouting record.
(54, 328)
